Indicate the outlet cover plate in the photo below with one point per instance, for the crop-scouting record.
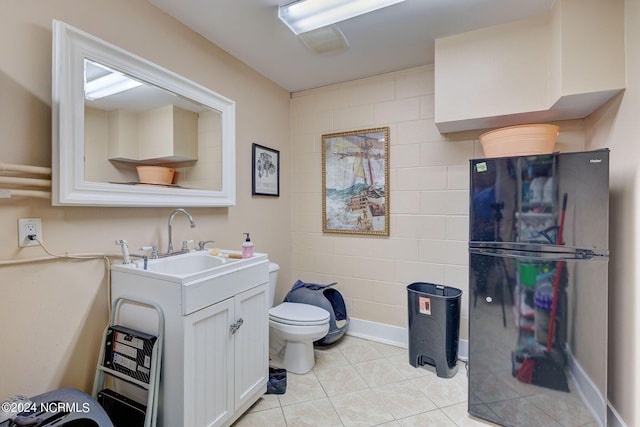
(27, 226)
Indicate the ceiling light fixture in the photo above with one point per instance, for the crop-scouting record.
(306, 15)
(107, 85)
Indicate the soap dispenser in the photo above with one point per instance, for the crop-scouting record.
(247, 247)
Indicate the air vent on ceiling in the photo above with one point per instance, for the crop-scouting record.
(325, 40)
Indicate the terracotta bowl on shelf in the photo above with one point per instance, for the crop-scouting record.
(160, 175)
(522, 140)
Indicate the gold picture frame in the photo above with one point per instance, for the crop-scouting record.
(355, 182)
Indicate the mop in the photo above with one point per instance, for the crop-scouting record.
(545, 366)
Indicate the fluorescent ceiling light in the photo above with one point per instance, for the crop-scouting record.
(109, 84)
(306, 15)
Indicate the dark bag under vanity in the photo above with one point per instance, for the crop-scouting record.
(277, 383)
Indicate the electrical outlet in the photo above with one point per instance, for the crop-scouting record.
(27, 227)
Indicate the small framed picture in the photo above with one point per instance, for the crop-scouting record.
(265, 171)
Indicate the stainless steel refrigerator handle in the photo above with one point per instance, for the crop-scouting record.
(548, 255)
(535, 248)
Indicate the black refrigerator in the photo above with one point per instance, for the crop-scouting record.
(538, 253)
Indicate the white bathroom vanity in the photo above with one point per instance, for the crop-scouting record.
(215, 362)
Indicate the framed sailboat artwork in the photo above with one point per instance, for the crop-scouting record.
(355, 182)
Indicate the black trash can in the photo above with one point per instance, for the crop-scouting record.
(434, 326)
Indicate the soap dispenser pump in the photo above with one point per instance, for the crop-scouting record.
(247, 247)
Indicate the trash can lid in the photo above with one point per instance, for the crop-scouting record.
(293, 313)
(434, 290)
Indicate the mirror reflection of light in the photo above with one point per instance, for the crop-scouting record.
(109, 84)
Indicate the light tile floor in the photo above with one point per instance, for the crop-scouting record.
(363, 383)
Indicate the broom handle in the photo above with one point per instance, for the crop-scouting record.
(556, 281)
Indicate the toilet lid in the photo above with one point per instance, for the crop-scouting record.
(293, 313)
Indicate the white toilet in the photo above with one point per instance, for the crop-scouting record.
(293, 327)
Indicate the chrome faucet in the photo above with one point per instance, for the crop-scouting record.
(144, 258)
(203, 243)
(153, 249)
(173, 214)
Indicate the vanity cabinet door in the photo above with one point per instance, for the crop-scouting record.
(251, 345)
(209, 365)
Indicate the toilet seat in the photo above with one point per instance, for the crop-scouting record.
(291, 313)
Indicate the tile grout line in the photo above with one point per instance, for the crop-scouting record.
(360, 345)
(326, 397)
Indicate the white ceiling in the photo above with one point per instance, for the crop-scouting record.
(394, 38)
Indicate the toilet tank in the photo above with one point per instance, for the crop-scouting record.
(273, 281)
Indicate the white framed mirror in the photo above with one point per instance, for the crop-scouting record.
(145, 116)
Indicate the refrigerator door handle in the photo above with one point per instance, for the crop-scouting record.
(543, 255)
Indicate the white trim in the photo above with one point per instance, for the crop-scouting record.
(587, 390)
(392, 335)
(613, 417)
(463, 350)
(380, 332)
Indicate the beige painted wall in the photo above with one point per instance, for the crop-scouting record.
(429, 194)
(616, 126)
(53, 313)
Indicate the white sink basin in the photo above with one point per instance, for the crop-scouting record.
(185, 267)
(181, 265)
(196, 278)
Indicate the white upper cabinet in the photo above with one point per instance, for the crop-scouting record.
(559, 66)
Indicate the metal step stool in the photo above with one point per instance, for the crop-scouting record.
(135, 358)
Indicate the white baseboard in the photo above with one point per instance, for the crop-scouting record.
(463, 350)
(392, 335)
(587, 389)
(613, 417)
(387, 334)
